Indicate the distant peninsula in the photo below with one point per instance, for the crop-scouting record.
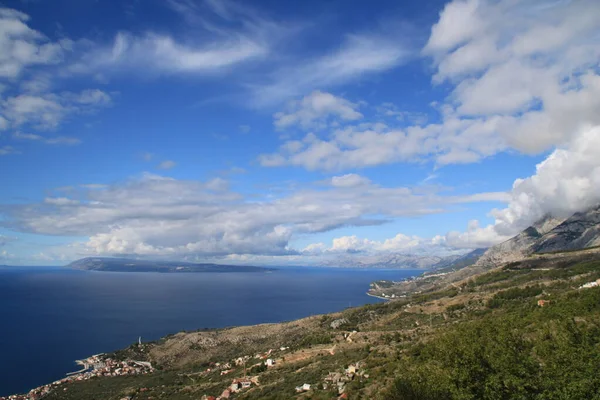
(110, 264)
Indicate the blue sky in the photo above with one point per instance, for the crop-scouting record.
(291, 132)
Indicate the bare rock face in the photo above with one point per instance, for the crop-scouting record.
(580, 231)
(338, 322)
(519, 246)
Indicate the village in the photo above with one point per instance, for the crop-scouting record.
(335, 380)
(93, 367)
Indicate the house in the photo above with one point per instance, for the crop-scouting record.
(352, 368)
(239, 384)
(303, 388)
(334, 377)
(543, 303)
(225, 395)
(270, 362)
(590, 284)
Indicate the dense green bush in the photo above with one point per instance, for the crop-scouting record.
(516, 353)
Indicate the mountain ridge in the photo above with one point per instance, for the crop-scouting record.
(549, 234)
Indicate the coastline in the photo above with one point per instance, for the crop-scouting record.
(142, 320)
(379, 297)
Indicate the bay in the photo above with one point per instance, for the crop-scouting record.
(51, 316)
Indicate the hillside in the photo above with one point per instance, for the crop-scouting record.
(550, 238)
(131, 265)
(521, 245)
(484, 338)
(580, 231)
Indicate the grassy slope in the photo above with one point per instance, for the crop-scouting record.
(484, 338)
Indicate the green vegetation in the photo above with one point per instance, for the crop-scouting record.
(527, 353)
(487, 339)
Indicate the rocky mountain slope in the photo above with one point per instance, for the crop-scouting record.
(394, 260)
(519, 246)
(580, 231)
(528, 325)
(548, 239)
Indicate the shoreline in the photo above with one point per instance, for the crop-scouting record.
(379, 297)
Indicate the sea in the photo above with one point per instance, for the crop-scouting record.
(52, 316)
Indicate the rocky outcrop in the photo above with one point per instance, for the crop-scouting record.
(519, 246)
(580, 231)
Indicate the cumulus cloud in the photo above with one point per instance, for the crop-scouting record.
(567, 181)
(160, 216)
(5, 255)
(398, 243)
(22, 47)
(524, 76)
(314, 109)
(349, 180)
(60, 201)
(46, 111)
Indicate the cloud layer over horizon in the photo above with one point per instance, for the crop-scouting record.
(303, 111)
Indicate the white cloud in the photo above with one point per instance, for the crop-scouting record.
(46, 111)
(94, 186)
(349, 180)
(30, 65)
(358, 56)
(21, 46)
(314, 109)
(566, 182)
(411, 117)
(5, 240)
(523, 74)
(59, 140)
(26, 136)
(314, 249)
(163, 54)
(63, 140)
(6, 150)
(6, 256)
(155, 215)
(398, 244)
(218, 36)
(167, 164)
(60, 201)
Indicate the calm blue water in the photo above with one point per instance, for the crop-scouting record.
(50, 317)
